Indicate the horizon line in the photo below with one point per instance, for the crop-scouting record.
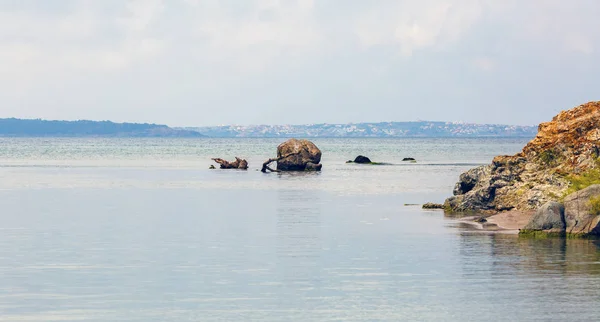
(254, 125)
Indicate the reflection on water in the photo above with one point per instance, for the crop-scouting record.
(531, 279)
(298, 234)
(530, 257)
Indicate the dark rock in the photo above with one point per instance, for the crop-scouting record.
(579, 217)
(431, 205)
(237, 164)
(212, 167)
(480, 220)
(409, 159)
(468, 180)
(550, 218)
(295, 155)
(473, 192)
(313, 167)
(362, 159)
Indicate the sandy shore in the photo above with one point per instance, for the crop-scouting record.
(506, 222)
(511, 220)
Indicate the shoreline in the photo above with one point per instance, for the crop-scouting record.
(509, 222)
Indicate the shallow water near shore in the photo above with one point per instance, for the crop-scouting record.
(142, 230)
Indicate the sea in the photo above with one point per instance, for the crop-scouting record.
(142, 230)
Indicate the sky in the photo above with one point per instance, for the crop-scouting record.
(216, 62)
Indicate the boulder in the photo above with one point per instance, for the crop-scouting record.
(296, 155)
(579, 215)
(362, 159)
(409, 159)
(549, 218)
(568, 144)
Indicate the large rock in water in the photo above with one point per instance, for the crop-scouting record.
(579, 215)
(298, 155)
(570, 143)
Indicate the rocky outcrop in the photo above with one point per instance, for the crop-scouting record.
(569, 144)
(298, 155)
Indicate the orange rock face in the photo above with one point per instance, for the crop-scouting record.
(568, 144)
(574, 135)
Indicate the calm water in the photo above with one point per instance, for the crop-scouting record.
(142, 230)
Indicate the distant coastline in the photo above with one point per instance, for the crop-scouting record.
(423, 129)
(12, 127)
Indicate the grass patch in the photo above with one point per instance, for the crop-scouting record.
(595, 206)
(584, 179)
(553, 196)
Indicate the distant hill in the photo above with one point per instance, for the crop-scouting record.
(387, 129)
(40, 128)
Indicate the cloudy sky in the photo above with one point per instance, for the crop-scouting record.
(210, 62)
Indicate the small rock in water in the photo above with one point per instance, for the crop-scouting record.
(431, 205)
(212, 167)
(480, 220)
(362, 159)
(409, 159)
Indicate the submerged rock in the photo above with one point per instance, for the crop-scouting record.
(480, 220)
(431, 205)
(298, 155)
(568, 144)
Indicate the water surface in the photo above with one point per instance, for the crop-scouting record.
(141, 230)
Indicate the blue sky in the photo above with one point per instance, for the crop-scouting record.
(211, 62)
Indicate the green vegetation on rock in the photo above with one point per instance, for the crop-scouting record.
(583, 180)
(549, 157)
(595, 206)
(539, 234)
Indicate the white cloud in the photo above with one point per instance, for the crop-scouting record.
(83, 38)
(485, 64)
(413, 25)
(346, 52)
(141, 14)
